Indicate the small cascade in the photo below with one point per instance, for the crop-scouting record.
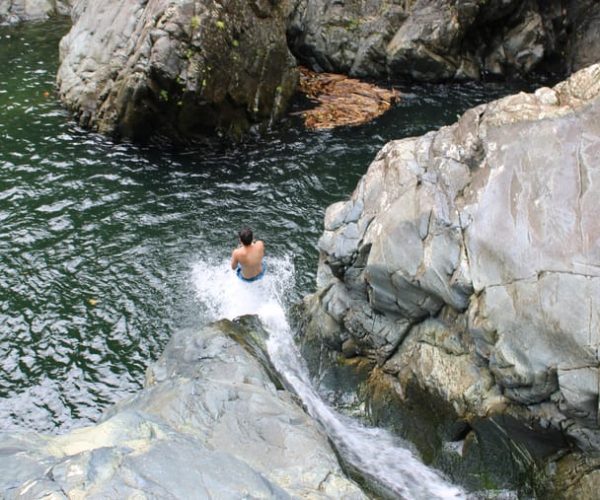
(375, 453)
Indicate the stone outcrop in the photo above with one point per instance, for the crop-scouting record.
(443, 39)
(15, 11)
(466, 268)
(212, 422)
(181, 69)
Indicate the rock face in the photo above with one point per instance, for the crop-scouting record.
(211, 423)
(443, 39)
(14, 11)
(176, 68)
(466, 266)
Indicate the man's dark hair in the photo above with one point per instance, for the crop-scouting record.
(246, 236)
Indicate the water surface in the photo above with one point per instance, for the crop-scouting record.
(100, 242)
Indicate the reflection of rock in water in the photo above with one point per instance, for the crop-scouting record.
(210, 423)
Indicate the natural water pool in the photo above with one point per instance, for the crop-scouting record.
(98, 241)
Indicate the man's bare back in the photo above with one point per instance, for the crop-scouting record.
(248, 256)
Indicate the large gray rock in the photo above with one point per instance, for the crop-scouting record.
(14, 11)
(211, 423)
(443, 39)
(467, 265)
(177, 68)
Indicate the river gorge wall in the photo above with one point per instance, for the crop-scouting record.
(187, 69)
(465, 270)
(433, 40)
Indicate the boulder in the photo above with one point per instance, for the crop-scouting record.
(14, 11)
(432, 40)
(178, 69)
(212, 421)
(466, 268)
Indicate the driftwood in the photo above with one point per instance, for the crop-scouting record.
(341, 100)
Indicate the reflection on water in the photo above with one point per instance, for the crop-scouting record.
(99, 241)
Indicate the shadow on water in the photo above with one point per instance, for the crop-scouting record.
(99, 241)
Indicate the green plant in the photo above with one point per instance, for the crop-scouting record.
(195, 22)
(353, 24)
(164, 95)
(220, 24)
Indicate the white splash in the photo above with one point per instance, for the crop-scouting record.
(375, 452)
(223, 295)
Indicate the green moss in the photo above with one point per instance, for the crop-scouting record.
(353, 24)
(220, 24)
(164, 95)
(195, 22)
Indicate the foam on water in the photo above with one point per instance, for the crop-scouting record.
(375, 452)
(223, 295)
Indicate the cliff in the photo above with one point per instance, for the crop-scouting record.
(432, 40)
(181, 70)
(465, 268)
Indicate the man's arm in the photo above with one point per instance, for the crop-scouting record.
(234, 260)
(261, 247)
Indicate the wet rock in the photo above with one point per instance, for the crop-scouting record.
(476, 247)
(576, 476)
(181, 70)
(210, 422)
(436, 40)
(14, 11)
(342, 101)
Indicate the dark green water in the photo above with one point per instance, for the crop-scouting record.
(98, 240)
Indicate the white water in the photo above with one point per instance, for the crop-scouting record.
(375, 452)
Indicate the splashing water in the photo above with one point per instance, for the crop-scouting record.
(376, 453)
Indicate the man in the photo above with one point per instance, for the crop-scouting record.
(247, 259)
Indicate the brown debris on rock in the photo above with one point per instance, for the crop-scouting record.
(342, 100)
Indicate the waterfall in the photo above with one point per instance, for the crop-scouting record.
(375, 452)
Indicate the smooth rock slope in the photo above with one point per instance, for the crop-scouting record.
(212, 422)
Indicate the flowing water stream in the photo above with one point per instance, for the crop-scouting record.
(106, 248)
(380, 456)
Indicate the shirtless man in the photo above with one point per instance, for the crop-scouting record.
(249, 257)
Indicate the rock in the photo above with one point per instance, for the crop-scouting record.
(342, 101)
(210, 422)
(430, 40)
(14, 11)
(584, 45)
(476, 248)
(183, 70)
(576, 476)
